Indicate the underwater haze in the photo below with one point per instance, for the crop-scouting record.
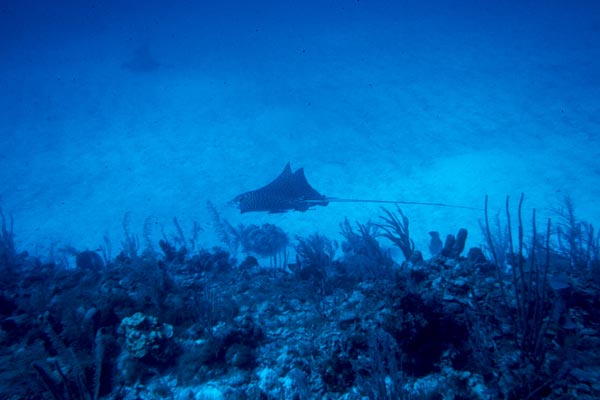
(111, 108)
(299, 199)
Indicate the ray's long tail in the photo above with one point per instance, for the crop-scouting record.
(418, 203)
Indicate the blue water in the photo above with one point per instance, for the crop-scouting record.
(152, 109)
(126, 123)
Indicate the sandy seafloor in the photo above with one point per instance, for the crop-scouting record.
(432, 103)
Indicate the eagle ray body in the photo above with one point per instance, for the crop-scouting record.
(290, 191)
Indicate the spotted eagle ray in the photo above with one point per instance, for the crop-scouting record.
(290, 191)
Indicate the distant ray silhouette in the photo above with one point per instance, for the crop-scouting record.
(290, 191)
(142, 61)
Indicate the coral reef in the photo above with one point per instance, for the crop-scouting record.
(362, 251)
(454, 245)
(146, 338)
(314, 256)
(515, 320)
(266, 241)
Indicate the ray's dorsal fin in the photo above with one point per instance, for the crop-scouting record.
(290, 191)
